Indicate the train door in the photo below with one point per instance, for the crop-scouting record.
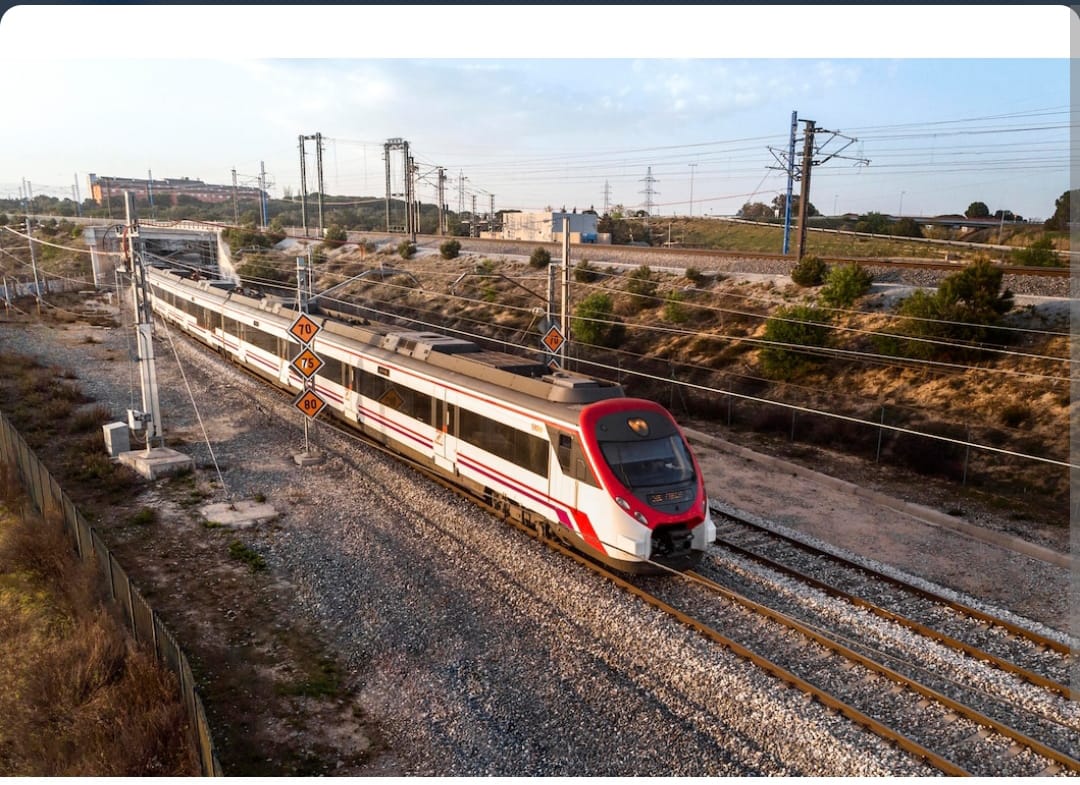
(445, 421)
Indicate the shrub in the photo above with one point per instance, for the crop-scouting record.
(334, 237)
(809, 271)
(799, 325)
(844, 285)
(406, 249)
(242, 552)
(1039, 254)
(674, 310)
(450, 249)
(594, 322)
(641, 287)
(694, 276)
(585, 273)
(540, 258)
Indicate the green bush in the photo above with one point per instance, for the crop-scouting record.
(674, 310)
(594, 322)
(844, 285)
(540, 258)
(334, 237)
(406, 249)
(694, 276)
(641, 287)
(585, 273)
(795, 326)
(1039, 254)
(450, 249)
(809, 271)
(965, 308)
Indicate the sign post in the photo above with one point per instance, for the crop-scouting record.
(307, 363)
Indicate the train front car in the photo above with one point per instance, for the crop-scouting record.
(658, 508)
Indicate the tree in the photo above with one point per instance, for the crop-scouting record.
(873, 223)
(977, 210)
(780, 199)
(907, 227)
(1062, 212)
(755, 211)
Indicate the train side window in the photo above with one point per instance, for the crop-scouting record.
(331, 370)
(438, 414)
(565, 443)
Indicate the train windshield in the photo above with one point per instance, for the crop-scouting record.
(650, 462)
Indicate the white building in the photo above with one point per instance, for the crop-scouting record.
(547, 227)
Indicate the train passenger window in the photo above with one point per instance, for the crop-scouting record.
(331, 369)
(566, 442)
(524, 449)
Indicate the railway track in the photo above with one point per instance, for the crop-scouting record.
(614, 253)
(955, 723)
(1037, 658)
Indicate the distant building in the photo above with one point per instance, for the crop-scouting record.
(547, 227)
(166, 191)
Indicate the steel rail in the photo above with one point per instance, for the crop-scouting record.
(1011, 627)
(928, 692)
(904, 621)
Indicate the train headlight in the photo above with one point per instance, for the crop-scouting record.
(641, 518)
(619, 500)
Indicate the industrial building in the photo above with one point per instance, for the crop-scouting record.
(547, 227)
(166, 191)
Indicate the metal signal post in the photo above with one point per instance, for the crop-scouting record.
(150, 417)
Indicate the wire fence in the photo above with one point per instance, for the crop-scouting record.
(141, 619)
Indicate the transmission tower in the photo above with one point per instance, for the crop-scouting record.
(814, 154)
(607, 197)
(649, 193)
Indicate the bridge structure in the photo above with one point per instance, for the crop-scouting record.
(188, 244)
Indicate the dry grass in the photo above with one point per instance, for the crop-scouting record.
(77, 697)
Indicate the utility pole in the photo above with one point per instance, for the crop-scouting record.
(78, 201)
(461, 192)
(144, 328)
(804, 193)
(491, 212)
(235, 200)
(303, 186)
(262, 195)
(318, 166)
(802, 172)
(692, 166)
(565, 316)
(607, 197)
(33, 267)
(442, 201)
(473, 228)
(413, 213)
(150, 189)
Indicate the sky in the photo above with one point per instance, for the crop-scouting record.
(932, 107)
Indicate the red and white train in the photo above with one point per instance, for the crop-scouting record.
(565, 454)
